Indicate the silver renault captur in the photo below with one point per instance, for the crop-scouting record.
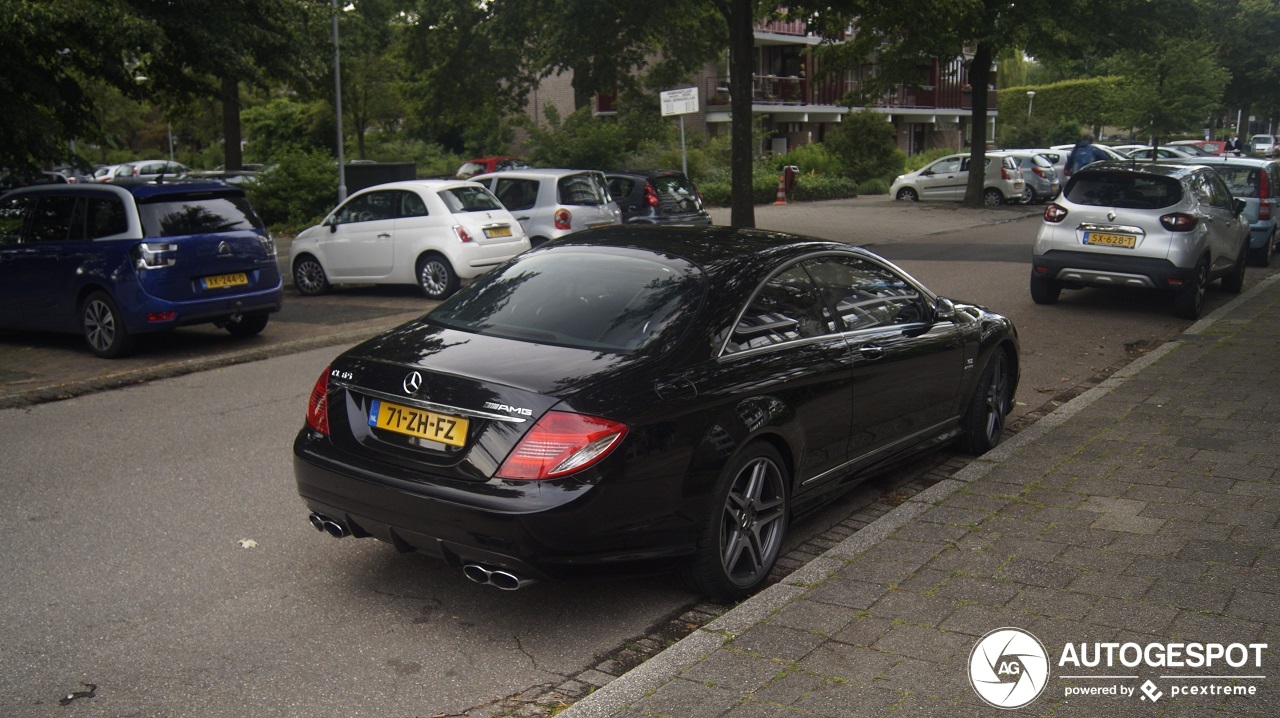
(1172, 227)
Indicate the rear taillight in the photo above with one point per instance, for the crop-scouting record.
(1054, 213)
(1179, 222)
(650, 197)
(461, 233)
(1039, 172)
(318, 405)
(561, 443)
(1264, 195)
(1006, 173)
(154, 255)
(564, 220)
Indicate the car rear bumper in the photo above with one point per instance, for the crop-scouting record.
(552, 529)
(198, 311)
(1109, 270)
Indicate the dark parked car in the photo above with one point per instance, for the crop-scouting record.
(112, 261)
(657, 197)
(646, 398)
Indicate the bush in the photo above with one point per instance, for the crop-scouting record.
(717, 190)
(814, 157)
(298, 192)
(866, 145)
(873, 186)
(915, 162)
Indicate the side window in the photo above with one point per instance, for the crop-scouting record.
(13, 215)
(52, 219)
(866, 295)
(105, 217)
(1273, 181)
(1218, 190)
(945, 166)
(411, 205)
(620, 187)
(964, 164)
(368, 207)
(517, 194)
(785, 309)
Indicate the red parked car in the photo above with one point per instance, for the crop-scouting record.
(485, 165)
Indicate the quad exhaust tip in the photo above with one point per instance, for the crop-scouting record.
(334, 528)
(496, 577)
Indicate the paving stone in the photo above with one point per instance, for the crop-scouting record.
(1135, 615)
(1034, 549)
(818, 616)
(842, 700)
(1038, 573)
(781, 642)
(979, 590)
(871, 570)
(914, 608)
(1111, 584)
(1254, 605)
(864, 631)
(926, 644)
(1219, 552)
(843, 661)
(735, 671)
(686, 698)
(1095, 559)
(1052, 603)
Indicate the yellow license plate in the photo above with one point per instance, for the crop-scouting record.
(1111, 240)
(423, 424)
(497, 232)
(219, 281)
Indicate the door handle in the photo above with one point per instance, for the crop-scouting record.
(872, 352)
(384, 235)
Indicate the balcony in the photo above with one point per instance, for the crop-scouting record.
(773, 90)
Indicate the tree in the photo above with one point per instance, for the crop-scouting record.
(205, 51)
(58, 51)
(1169, 88)
(1248, 52)
(371, 67)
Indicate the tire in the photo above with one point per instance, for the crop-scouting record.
(1044, 291)
(309, 277)
(103, 327)
(537, 242)
(1189, 301)
(745, 527)
(983, 422)
(908, 194)
(1029, 195)
(1233, 281)
(992, 197)
(248, 325)
(436, 277)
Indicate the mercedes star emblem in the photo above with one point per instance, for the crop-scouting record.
(412, 382)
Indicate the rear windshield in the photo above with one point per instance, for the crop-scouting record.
(1124, 189)
(469, 199)
(676, 194)
(617, 303)
(173, 216)
(1243, 181)
(583, 189)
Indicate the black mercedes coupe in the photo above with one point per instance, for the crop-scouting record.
(646, 398)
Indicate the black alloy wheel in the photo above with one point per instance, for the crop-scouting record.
(1189, 301)
(744, 535)
(983, 423)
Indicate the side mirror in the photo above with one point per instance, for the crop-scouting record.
(1239, 205)
(944, 310)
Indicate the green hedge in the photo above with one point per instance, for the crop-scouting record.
(716, 191)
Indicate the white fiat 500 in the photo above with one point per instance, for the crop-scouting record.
(433, 233)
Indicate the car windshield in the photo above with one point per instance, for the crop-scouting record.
(469, 199)
(171, 216)
(583, 189)
(1124, 189)
(604, 301)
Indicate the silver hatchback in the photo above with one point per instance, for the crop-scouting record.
(550, 204)
(1150, 225)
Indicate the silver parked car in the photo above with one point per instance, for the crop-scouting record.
(1256, 180)
(948, 178)
(550, 204)
(1039, 175)
(1166, 226)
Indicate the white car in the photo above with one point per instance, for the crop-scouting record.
(948, 178)
(1145, 152)
(552, 203)
(433, 233)
(1262, 145)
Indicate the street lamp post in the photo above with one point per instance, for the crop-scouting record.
(337, 102)
(1031, 100)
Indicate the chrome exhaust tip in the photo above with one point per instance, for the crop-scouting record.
(317, 521)
(496, 577)
(335, 529)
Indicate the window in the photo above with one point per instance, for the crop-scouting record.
(469, 199)
(785, 309)
(171, 216)
(945, 166)
(1242, 181)
(52, 219)
(104, 217)
(620, 187)
(584, 189)
(1110, 188)
(368, 207)
(13, 215)
(866, 295)
(517, 194)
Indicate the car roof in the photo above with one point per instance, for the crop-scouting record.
(1167, 169)
(424, 184)
(533, 174)
(1225, 160)
(140, 190)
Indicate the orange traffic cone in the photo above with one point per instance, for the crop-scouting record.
(782, 190)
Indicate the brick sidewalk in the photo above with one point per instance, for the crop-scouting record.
(1144, 512)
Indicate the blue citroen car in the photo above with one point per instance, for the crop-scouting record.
(114, 261)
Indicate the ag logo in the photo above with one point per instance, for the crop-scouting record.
(1009, 668)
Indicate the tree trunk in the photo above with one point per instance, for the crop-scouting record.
(979, 71)
(232, 157)
(741, 47)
